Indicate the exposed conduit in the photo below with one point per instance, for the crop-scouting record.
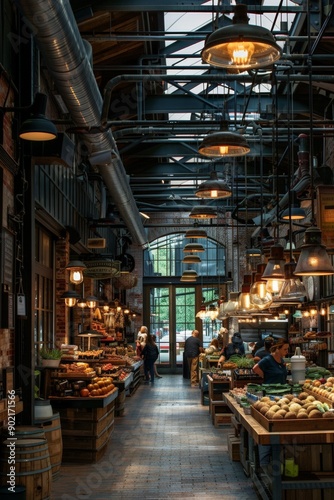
(57, 35)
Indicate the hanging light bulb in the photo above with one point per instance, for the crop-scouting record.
(260, 297)
(218, 144)
(91, 301)
(213, 188)
(202, 312)
(292, 289)
(241, 46)
(313, 259)
(76, 268)
(244, 302)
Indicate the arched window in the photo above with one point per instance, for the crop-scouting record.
(164, 257)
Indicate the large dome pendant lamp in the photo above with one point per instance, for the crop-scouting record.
(213, 188)
(313, 259)
(223, 143)
(241, 46)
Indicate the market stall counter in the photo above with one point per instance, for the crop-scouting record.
(312, 450)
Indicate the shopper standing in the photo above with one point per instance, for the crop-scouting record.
(150, 354)
(192, 350)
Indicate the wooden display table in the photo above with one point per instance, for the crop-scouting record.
(312, 450)
(86, 425)
(136, 377)
(123, 387)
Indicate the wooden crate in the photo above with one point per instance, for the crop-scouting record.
(222, 419)
(233, 446)
(77, 441)
(85, 413)
(291, 425)
(86, 449)
(87, 427)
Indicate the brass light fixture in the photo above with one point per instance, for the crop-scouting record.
(195, 234)
(189, 275)
(218, 144)
(313, 259)
(71, 297)
(241, 46)
(194, 248)
(203, 212)
(259, 295)
(191, 259)
(213, 188)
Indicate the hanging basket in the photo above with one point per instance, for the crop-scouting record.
(126, 281)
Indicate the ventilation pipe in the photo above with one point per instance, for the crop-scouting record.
(65, 55)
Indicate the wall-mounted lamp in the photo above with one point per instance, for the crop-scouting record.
(241, 46)
(71, 297)
(76, 268)
(37, 127)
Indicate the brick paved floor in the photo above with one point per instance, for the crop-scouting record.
(164, 447)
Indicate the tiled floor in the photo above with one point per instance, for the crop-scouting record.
(164, 447)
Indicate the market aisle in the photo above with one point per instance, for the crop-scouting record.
(164, 447)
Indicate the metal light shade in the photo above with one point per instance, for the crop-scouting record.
(37, 127)
(195, 234)
(244, 302)
(213, 188)
(194, 248)
(189, 275)
(292, 289)
(71, 297)
(82, 303)
(293, 213)
(220, 144)
(191, 259)
(313, 259)
(241, 46)
(91, 301)
(203, 212)
(76, 268)
(275, 267)
(253, 252)
(298, 314)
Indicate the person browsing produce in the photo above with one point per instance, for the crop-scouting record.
(272, 368)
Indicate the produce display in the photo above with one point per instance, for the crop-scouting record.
(305, 406)
(317, 372)
(96, 354)
(76, 369)
(322, 387)
(95, 387)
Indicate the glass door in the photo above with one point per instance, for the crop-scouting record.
(172, 319)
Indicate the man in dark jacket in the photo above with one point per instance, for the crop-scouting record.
(192, 350)
(236, 346)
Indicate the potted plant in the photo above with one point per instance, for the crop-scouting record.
(50, 356)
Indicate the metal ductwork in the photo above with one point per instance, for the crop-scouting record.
(65, 55)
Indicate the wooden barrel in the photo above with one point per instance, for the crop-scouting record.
(52, 431)
(28, 431)
(31, 460)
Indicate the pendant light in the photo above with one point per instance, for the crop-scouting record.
(232, 304)
(275, 266)
(313, 259)
(241, 46)
(189, 275)
(259, 295)
(71, 297)
(203, 212)
(213, 188)
(201, 314)
(76, 268)
(191, 259)
(194, 248)
(218, 144)
(195, 234)
(292, 289)
(244, 302)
